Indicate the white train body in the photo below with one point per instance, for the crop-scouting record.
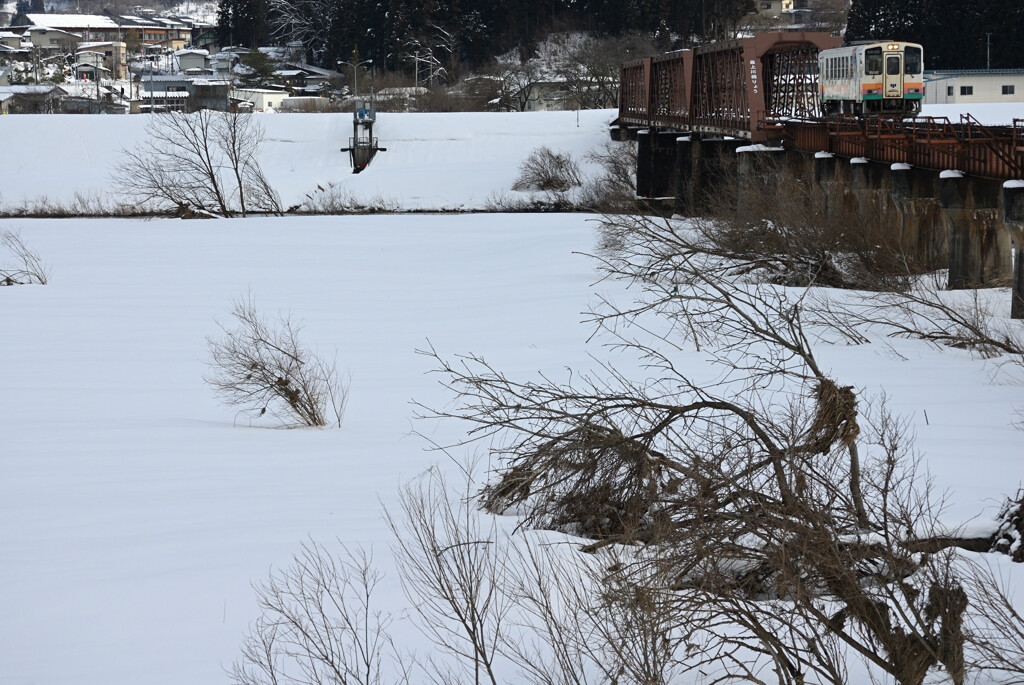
(884, 78)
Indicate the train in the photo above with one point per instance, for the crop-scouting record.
(872, 78)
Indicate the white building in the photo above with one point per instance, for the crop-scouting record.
(262, 99)
(974, 85)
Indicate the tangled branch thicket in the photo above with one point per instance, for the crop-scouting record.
(786, 515)
(260, 365)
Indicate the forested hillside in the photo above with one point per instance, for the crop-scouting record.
(394, 32)
(955, 34)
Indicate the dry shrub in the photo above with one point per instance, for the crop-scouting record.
(547, 170)
(790, 233)
(613, 189)
(261, 366)
(27, 267)
(340, 200)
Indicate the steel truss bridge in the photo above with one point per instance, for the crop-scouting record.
(765, 89)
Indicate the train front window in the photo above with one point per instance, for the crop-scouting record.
(873, 61)
(912, 60)
(892, 65)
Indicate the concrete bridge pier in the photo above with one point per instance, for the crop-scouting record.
(757, 172)
(714, 174)
(979, 248)
(921, 232)
(656, 164)
(1013, 217)
(685, 168)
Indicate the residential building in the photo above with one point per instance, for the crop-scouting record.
(973, 85)
(190, 59)
(112, 57)
(55, 40)
(31, 99)
(262, 99)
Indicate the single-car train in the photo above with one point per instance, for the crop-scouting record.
(884, 78)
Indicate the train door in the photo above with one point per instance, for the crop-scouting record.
(893, 75)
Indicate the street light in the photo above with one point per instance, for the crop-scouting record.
(355, 73)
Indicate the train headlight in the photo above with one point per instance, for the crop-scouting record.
(892, 46)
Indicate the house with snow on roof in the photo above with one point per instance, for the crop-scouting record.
(193, 60)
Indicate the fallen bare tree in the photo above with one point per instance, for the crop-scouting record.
(27, 267)
(790, 522)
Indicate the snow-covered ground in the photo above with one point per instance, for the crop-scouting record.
(135, 510)
(433, 161)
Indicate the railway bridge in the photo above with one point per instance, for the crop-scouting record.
(700, 116)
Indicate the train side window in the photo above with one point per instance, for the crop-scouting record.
(873, 61)
(892, 65)
(912, 60)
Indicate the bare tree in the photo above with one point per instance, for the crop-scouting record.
(453, 571)
(205, 161)
(319, 623)
(590, 67)
(517, 87)
(27, 267)
(260, 364)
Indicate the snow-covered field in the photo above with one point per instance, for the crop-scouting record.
(433, 162)
(135, 510)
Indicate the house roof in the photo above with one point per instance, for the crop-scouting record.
(938, 73)
(204, 53)
(72, 21)
(30, 90)
(49, 29)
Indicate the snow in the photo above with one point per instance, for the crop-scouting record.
(1016, 183)
(859, 160)
(433, 161)
(900, 166)
(821, 154)
(759, 148)
(951, 173)
(136, 510)
(986, 113)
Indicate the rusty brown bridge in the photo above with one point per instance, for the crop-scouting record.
(765, 90)
(951, 186)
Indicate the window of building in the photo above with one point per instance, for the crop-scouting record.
(949, 90)
(766, 5)
(1007, 90)
(967, 90)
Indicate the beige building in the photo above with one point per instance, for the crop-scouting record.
(111, 56)
(974, 85)
(56, 40)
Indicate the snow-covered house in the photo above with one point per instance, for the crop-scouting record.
(112, 57)
(57, 40)
(42, 99)
(192, 59)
